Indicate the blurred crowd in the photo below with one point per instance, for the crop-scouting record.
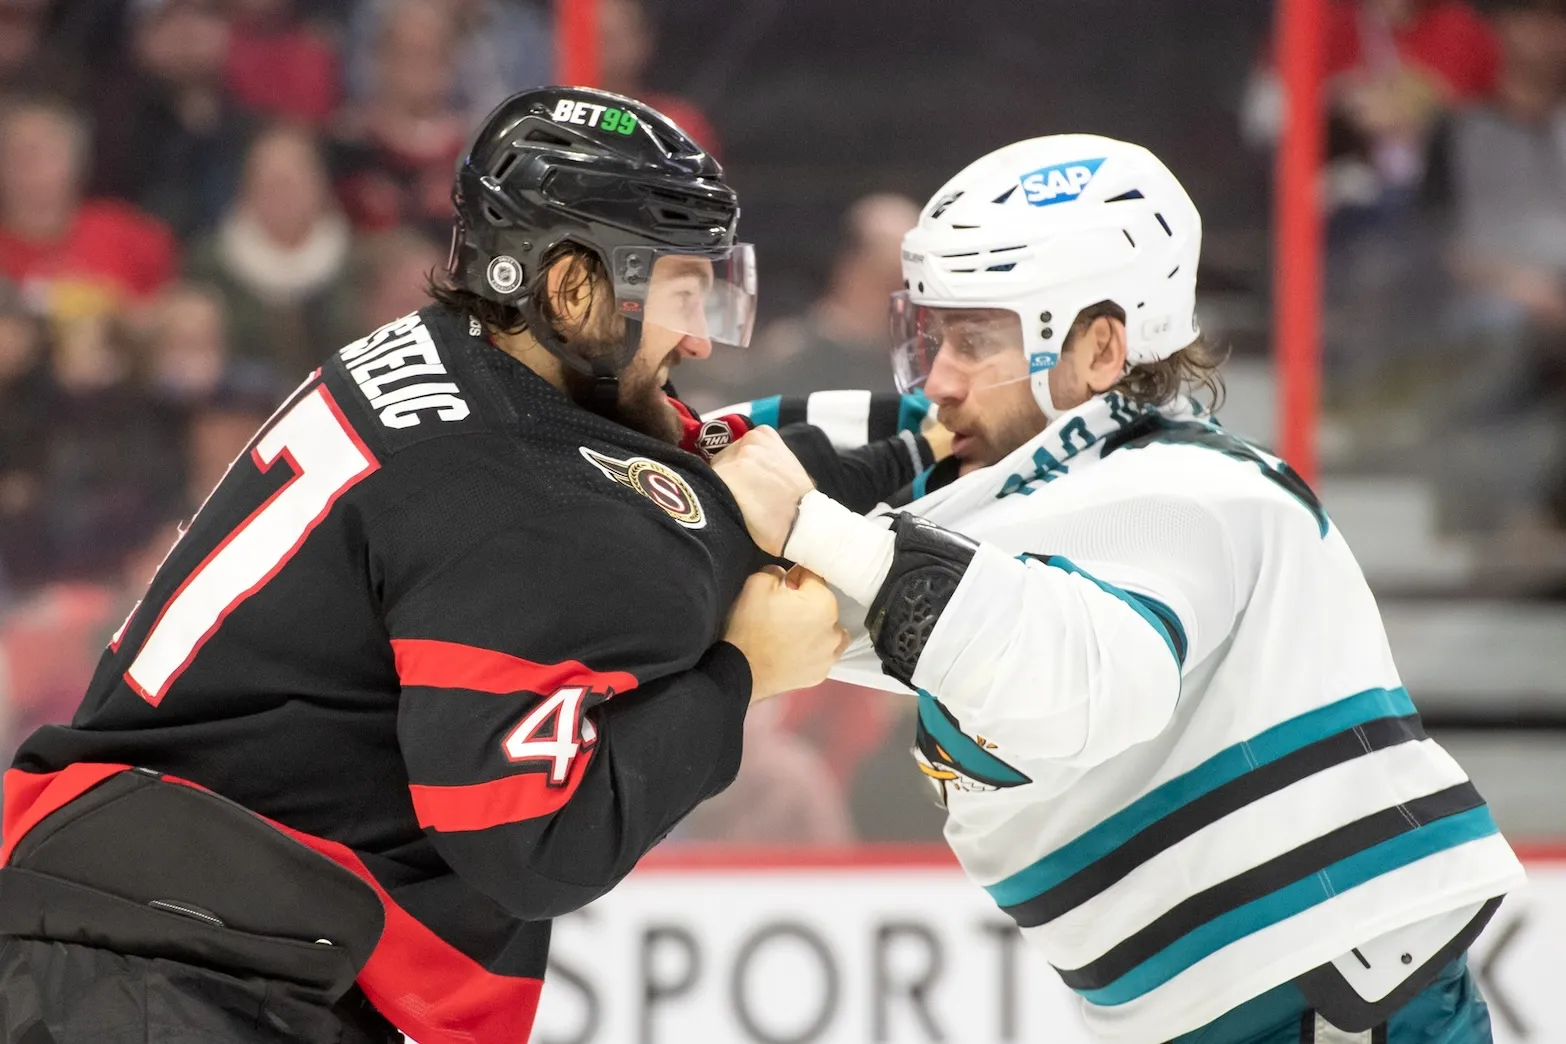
(1445, 187)
(200, 199)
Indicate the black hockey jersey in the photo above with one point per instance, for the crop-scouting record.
(450, 630)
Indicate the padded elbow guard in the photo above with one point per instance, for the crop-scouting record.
(928, 563)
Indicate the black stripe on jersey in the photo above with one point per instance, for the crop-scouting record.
(792, 409)
(882, 420)
(1186, 820)
(1269, 877)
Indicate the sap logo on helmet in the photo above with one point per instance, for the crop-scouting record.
(1060, 183)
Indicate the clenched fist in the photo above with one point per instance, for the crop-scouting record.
(768, 481)
(786, 625)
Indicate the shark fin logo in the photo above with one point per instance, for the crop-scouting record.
(657, 482)
(952, 758)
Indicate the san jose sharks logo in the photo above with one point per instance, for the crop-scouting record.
(657, 482)
(952, 758)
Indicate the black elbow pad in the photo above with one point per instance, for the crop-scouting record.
(928, 563)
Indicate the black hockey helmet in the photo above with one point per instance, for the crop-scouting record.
(560, 165)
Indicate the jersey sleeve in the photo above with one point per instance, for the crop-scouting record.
(860, 447)
(1075, 652)
(544, 757)
(850, 419)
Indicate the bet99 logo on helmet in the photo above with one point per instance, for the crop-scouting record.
(589, 114)
(1060, 183)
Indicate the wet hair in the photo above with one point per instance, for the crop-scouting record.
(1193, 369)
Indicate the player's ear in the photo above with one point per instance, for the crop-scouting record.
(1105, 337)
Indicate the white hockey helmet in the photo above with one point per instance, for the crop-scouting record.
(1044, 228)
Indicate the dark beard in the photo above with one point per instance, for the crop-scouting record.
(639, 407)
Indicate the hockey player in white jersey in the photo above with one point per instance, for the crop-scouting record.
(1154, 690)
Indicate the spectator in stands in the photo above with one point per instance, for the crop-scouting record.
(25, 62)
(398, 266)
(402, 142)
(26, 397)
(280, 67)
(784, 793)
(841, 342)
(112, 452)
(503, 46)
(626, 38)
(77, 261)
(1508, 178)
(187, 361)
(187, 344)
(220, 428)
(1507, 173)
(172, 139)
(1392, 67)
(281, 259)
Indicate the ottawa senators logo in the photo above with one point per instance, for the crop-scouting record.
(657, 482)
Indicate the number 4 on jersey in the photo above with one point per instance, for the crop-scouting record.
(554, 731)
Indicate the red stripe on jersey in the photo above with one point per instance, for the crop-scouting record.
(510, 799)
(32, 796)
(430, 991)
(452, 665)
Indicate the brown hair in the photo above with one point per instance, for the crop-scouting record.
(587, 268)
(1193, 368)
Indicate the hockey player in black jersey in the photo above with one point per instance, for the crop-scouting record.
(462, 635)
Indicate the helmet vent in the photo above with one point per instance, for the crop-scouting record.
(1172, 272)
(1004, 196)
(943, 203)
(1003, 250)
(542, 137)
(685, 210)
(965, 226)
(1007, 267)
(1164, 223)
(1133, 194)
(503, 168)
(1127, 234)
(495, 216)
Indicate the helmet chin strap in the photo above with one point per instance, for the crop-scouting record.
(1042, 394)
(604, 396)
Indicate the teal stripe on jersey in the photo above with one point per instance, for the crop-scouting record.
(1158, 615)
(1228, 764)
(765, 411)
(921, 483)
(1293, 899)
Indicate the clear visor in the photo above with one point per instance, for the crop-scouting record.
(709, 295)
(974, 340)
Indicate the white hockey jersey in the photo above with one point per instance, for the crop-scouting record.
(1167, 727)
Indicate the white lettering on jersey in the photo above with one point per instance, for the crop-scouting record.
(382, 364)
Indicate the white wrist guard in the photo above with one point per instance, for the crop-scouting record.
(851, 552)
